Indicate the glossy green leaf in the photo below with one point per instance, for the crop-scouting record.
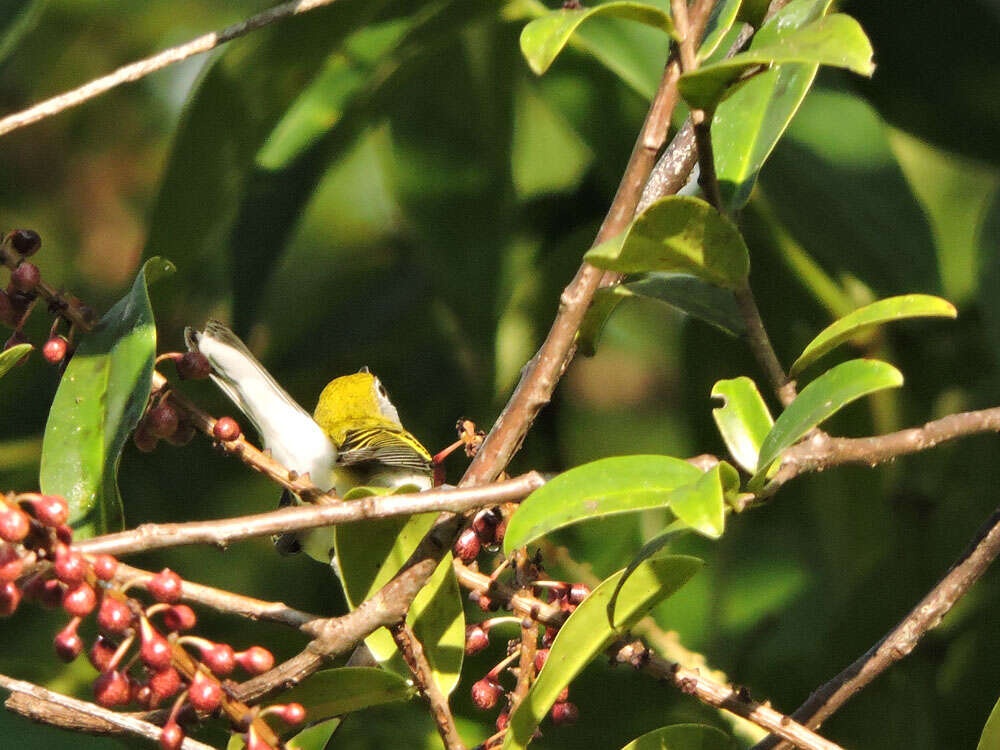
(822, 398)
(868, 317)
(990, 738)
(682, 737)
(315, 737)
(648, 551)
(678, 234)
(369, 554)
(587, 632)
(743, 419)
(17, 18)
(719, 23)
(10, 357)
(700, 504)
(836, 40)
(334, 692)
(748, 124)
(544, 38)
(100, 399)
(622, 484)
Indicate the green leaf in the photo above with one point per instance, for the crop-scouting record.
(100, 399)
(700, 504)
(587, 632)
(315, 737)
(369, 554)
(334, 692)
(743, 419)
(990, 738)
(719, 23)
(822, 398)
(10, 357)
(544, 38)
(622, 484)
(868, 317)
(836, 40)
(678, 234)
(649, 550)
(682, 737)
(748, 124)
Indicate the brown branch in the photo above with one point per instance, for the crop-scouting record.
(48, 707)
(518, 602)
(423, 677)
(141, 68)
(524, 574)
(224, 531)
(928, 613)
(736, 701)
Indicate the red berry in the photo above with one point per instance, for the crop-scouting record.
(183, 435)
(25, 241)
(486, 604)
(500, 532)
(476, 639)
(79, 600)
(563, 695)
(220, 658)
(64, 533)
(162, 420)
(204, 693)
(565, 713)
(49, 593)
(68, 643)
(11, 563)
(486, 693)
(112, 689)
(578, 592)
(14, 525)
(467, 547)
(50, 510)
(25, 277)
(70, 566)
(165, 586)
(105, 567)
(485, 525)
(541, 655)
(294, 713)
(155, 652)
(114, 617)
(549, 636)
(193, 366)
(143, 695)
(226, 429)
(164, 684)
(171, 736)
(101, 654)
(55, 350)
(144, 440)
(255, 660)
(179, 617)
(10, 597)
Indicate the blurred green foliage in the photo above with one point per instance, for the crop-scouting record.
(387, 184)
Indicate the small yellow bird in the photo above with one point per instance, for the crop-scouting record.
(353, 439)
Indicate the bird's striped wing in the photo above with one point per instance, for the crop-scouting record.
(384, 446)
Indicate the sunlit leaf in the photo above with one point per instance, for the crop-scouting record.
(836, 40)
(743, 419)
(990, 738)
(10, 357)
(682, 737)
(544, 38)
(334, 692)
(822, 398)
(868, 317)
(722, 19)
(315, 737)
(587, 632)
(700, 504)
(100, 399)
(678, 234)
(649, 550)
(622, 484)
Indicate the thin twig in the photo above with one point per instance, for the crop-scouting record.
(691, 682)
(928, 613)
(225, 531)
(141, 68)
(520, 603)
(524, 574)
(423, 677)
(45, 704)
(760, 345)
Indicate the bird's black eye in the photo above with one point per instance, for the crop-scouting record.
(382, 391)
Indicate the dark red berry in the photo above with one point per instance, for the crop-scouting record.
(14, 525)
(193, 366)
(255, 660)
(164, 684)
(294, 713)
(50, 510)
(64, 533)
(25, 277)
(549, 636)
(485, 525)
(578, 592)
(226, 429)
(220, 658)
(165, 586)
(155, 651)
(70, 566)
(144, 440)
(11, 563)
(541, 655)
(10, 597)
(101, 654)
(204, 693)
(565, 713)
(486, 693)
(79, 600)
(162, 420)
(105, 567)
(55, 350)
(171, 736)
(25, 241)
(68, 643)
(486, 604)
(112, 689)
(183, 435)
(114, 617)
(143, 695)
(476, 639)
(467, 547)
(179, 617)
(50, 593)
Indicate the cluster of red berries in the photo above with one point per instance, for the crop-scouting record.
(138, 661)
(487, 530)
